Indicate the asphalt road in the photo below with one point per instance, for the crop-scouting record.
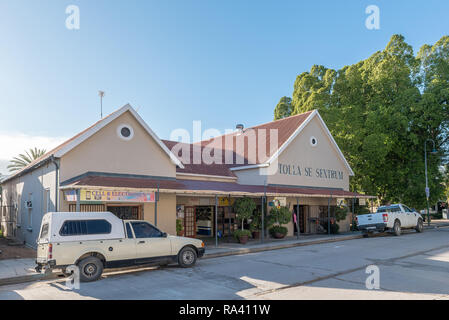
(412, 266)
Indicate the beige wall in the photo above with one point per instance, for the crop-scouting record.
(251, 177)
(105, 151)
(322, 156)
(166, 213)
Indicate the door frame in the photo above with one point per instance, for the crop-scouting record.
(185, 221)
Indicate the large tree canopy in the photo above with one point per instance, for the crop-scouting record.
(381, 111)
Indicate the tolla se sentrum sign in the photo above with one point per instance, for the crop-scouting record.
(320, 173)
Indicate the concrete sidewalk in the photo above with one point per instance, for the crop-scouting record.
(227, 249)
(13, 271)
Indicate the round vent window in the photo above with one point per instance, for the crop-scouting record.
(125, 132)
(313, 141)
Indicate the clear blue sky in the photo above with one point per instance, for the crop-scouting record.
(222, 62)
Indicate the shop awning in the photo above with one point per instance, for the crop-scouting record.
(198, 187)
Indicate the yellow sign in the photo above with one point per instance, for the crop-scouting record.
(224, 201)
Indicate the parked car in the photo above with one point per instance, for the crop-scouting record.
(97, 240)
(393, 218)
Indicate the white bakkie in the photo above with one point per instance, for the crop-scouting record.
(390, 218)
(97, 240)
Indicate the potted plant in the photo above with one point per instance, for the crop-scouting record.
(179, 227)
(244, 208)
(278, 217)
(255, 224)
(242, 235)
(278, 232)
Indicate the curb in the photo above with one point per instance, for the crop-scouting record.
(26, 278)
(436, 226)
(277, 247)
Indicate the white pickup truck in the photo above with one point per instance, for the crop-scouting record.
(96, 240)
(390, 218)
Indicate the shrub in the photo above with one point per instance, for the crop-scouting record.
(256, 221)
(239, 233)
(334, 227)
(341, 213)
(244, 208)
(179, 226)
(278, 229)
(279, 216)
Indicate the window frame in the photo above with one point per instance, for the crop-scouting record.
(145, 222)
(87, 228)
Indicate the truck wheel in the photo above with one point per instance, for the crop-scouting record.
(187, 257)
(91, 269)
(419, 226)
(397, 228)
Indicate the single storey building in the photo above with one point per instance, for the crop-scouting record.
(120, 165)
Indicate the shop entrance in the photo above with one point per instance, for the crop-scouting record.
(189, 222)
(126, 212)
(302, 218)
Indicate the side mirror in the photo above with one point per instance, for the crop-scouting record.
(164, 234)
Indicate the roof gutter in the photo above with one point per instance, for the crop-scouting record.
(55, 162)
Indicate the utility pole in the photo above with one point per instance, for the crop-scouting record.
(434, 151)
(101, 94)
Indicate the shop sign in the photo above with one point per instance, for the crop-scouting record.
(224, 201)
(362, 201)
(320, 173)
(280, 202)
(111, 196)
(341, 202)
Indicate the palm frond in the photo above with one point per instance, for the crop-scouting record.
(24, 159)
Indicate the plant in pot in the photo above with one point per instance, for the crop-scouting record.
(278, 217)
(242, 235)
(179, 228)
(244, 208)
(256, 224)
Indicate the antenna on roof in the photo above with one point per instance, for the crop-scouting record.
(101, 94)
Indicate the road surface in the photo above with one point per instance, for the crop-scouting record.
(412, 266)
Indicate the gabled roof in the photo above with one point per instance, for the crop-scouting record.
(71, 143)
(287, 130)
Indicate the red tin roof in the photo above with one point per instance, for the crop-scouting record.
(192, 186)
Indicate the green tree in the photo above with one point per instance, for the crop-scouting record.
(283, 108)
(244, 207)
(381, 111)
(22, 160)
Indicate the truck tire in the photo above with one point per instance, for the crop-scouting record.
(397, 228)
(187, 257)
(91, 269)
(419, 226)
